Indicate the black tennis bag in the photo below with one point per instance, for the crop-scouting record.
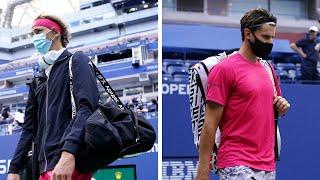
(111, 132)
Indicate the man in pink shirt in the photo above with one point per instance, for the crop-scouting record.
(240, 100)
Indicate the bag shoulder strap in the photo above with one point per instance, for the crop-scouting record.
(205, 68)
(267, 67)
(105, 84)
(73, 103)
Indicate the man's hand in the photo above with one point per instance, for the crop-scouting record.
(12, 176)
(282, 105)
(304, 55)
(64, 168)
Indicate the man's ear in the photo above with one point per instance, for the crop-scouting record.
(54, 34)
(247, 34)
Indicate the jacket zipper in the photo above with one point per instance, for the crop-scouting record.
(44, 149)
(47, 97)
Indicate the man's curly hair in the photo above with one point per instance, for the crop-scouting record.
(254, 18)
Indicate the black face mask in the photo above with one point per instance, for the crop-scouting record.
(260, 48)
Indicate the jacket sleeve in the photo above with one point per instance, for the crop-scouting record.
(25, 142)
(86, 96)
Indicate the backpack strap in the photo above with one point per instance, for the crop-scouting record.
(270, 72)
(205, 68)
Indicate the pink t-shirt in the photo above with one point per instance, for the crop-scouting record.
(246, 91)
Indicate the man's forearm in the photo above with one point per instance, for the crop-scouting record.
(212, 118)
(298, 50)
(206, 145)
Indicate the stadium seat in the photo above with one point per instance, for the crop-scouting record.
(190, 63)
(286, 66)
(295, 59)
(152, 108)
(298, 75)
(173, 69)
(282, 74)
(292, 74)
(166, 77)
(167, 63)
(164, 69)
(180, 76)
(278, 58)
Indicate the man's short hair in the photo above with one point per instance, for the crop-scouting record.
(65, 36)
(255, 18)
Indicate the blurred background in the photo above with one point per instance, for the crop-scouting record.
(120, 36)
(195, 30)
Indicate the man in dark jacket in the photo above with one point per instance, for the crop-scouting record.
(6, 117)
(308, 49)
(48, 118)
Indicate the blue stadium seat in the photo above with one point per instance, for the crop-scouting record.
(164, 69)
(180, 76)
(166, 77)
(173, 69)
(298, 75)
(190, 63)
(278, 58)
(295, 59)
(286, 66)
(166, 63)
(172, 61)
(292, 74)
(282, 74)
(152, 108)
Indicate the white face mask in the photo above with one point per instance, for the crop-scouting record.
(49, 58)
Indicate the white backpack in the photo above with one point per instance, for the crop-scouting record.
(198, 78)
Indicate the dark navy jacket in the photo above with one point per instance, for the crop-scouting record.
(308, 47)
(48, 121)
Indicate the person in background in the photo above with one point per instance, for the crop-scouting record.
(308, 48)
(6, 117)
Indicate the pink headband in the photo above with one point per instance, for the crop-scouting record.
(47, 23)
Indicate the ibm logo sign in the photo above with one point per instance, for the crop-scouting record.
(179, 169)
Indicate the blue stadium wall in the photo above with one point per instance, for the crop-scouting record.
(300, 128)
